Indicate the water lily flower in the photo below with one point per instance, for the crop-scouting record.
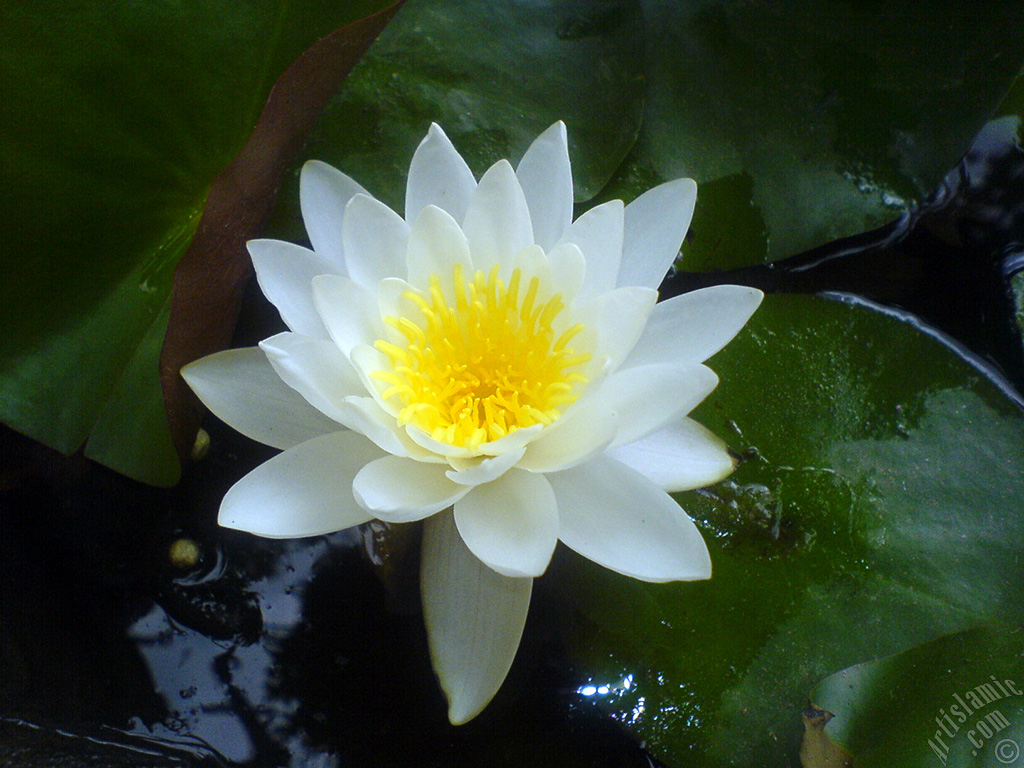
(491, 366)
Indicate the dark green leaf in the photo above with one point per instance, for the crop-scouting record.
(880, 503)
(804, 125)
(117, 119)
(957, 701)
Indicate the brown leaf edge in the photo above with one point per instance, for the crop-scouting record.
(817, 749)
(209, 280)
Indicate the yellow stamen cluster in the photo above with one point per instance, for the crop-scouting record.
(474, 372)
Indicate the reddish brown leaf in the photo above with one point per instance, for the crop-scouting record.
(211, 276)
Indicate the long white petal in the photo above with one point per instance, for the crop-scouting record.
(315, 368)
(511, 524)
(436, 245)
(546, 178)
(285, 273)
(375, 239)
(474, 617)
(350, 312)
(680, 457)
(617, 318)
(616, 517)
(305, 491)
(598, 233)
(693, 326)
(402, 490)
(648, 397)
(656, 223)
(323, 194)
(584, 431)
(438, 176)
(242, 389)
(567, 266)
(497, 223)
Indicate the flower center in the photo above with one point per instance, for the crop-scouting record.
(491, 364)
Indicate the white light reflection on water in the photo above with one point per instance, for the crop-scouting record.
(216, 690)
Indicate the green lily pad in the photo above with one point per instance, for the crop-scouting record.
(117, 119)
(814, 124)
(880, 503)
(956, 701)
(494, 76)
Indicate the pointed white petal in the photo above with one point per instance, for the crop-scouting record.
(402, 490)
(316, 369)
(584, 431)
(616, 517)
(363, 415)
(474, 617)
(567, 267)
(483, 470)
(510, 524)
(438, 176)
(305, 491)
(349, 311)
(617, 318)
(323, 194)
(497, 223)
(598, 233)
(285, 273)
(436, 245)
(693, 326)
(546, 179)
(242, 389)
(375, 239)
(656, 223)
(648, 397)
(680, 457)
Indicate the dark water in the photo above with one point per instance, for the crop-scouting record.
(312, 652)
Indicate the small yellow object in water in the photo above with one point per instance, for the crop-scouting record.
(184, 554)
(201, 446)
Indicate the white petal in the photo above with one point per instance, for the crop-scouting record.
(365, 416)
(567, 267)
(584, 431)
(648, 397)
(285, 273)
(497, 223)
(436, 245)
(474, 617)
(693, 326)
(679, 457)
(323, 194)
(438, 176)
(242, 389)
(598, 233)
(401, 490)
(305, 491)
(510, 524)
(546, 179)
(349, 311)
(617, 318)
(656, 223)
(485, 469)
(316, 369)
(616, 517)
(375, 239)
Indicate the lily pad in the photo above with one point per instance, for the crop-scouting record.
(956, 701)
(817, 124)
(880, 503)
(117, 119)
(494, 76)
